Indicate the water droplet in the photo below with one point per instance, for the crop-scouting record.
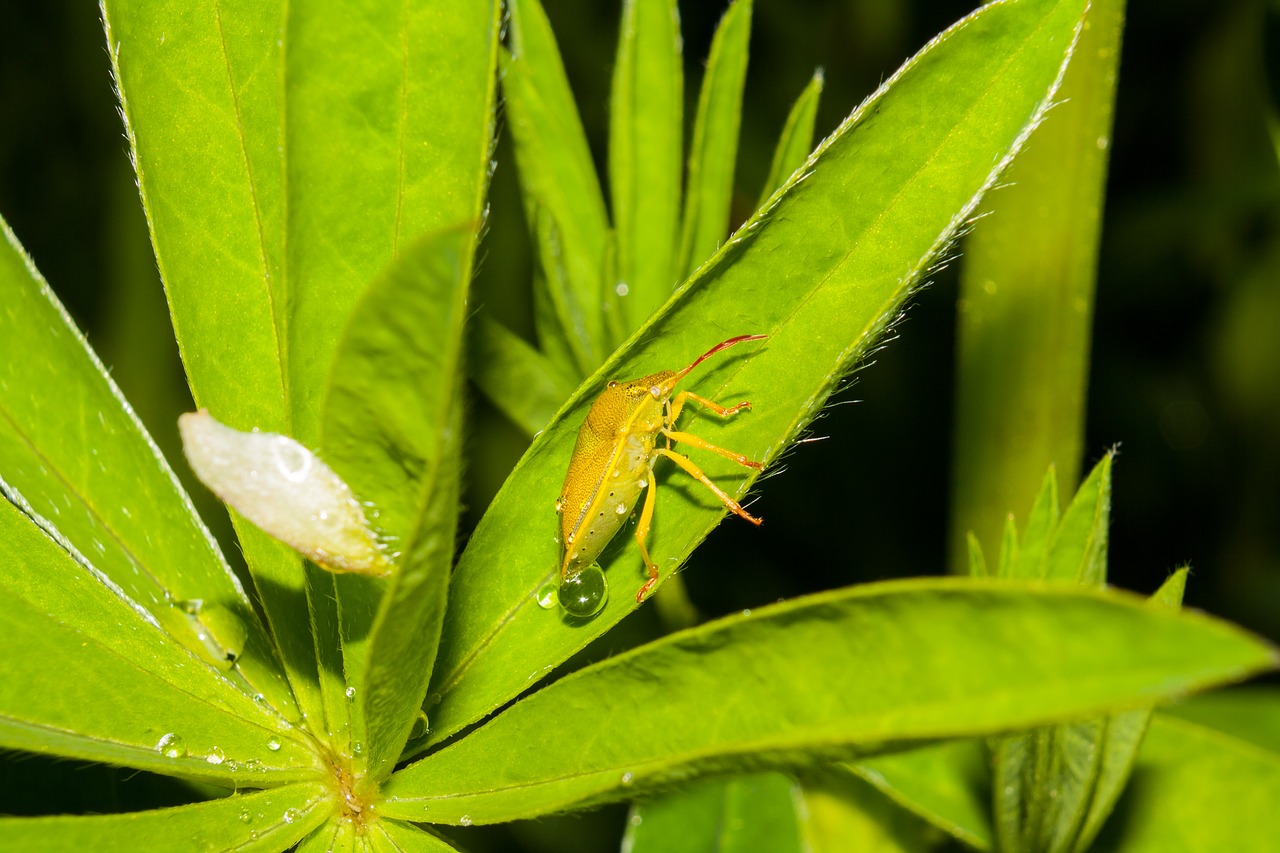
(644, 484)
(351, 693)
(622, 289)
(620, 509)
(546, 596)
(628, 778)
(273, 744)
(245, 817)
(465, 820)
(357, 748)
(583, 595)
(617, 472)
(290, 815)
(172, 746)
(293, 461)
(420, 727)
(215, 756)
(191, 606)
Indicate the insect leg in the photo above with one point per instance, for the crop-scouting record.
(677, 403)
(695, 441)
(642, 531)
(687, 464)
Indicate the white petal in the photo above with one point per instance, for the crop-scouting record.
(285, 489)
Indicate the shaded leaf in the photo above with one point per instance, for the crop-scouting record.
(796, 140)
(557, 174)
(522, 383)
(742, 814)
(944, 783)
(714, 151)
(646, 132)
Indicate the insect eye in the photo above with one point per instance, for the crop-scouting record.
(655, 392)
(613, 383)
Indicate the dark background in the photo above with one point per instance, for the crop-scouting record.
(1185, 372)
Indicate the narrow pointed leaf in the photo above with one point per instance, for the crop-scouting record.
(714, 150)
(397, 442)
(1079, 548)
(261, 821)
(81, 460)
(201, 95)
(735, 815)
(796, 140)
(522, 383)
(646, 135)
(941, 783)
(823, 272)
(1196, 789)
(1045, 653)
(1042, 523)
(125, 692)
(557, 173)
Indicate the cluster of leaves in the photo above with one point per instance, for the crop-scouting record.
(314, 180)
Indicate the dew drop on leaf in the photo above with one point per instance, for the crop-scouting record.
(546, 596)
(583, 595)
(172, 746)
(273, 744)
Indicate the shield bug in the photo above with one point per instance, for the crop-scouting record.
(612, 464)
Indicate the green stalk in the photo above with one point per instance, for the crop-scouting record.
(1026, 303)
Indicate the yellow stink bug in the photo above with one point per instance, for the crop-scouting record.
(613, 463)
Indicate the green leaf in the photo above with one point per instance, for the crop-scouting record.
(83, 464)
(261, 821)
(942, 783)
(1123, 736)
(393, 836)
(558, 180)
(203, 108)
(1042, 524)
(1079, 548)
(646, 131)
(841, 812)
(336, 835)
(743, 814)
(523, 384)
(897, 662)
(1250, 712)
(1026, 301)
(390, 115)
(821, 274)
(796, 140)
(1196, 789)
(125, 693)
(714, 151)
(1054, 787)
(396, 442)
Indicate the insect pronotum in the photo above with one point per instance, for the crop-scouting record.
(613, 461)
